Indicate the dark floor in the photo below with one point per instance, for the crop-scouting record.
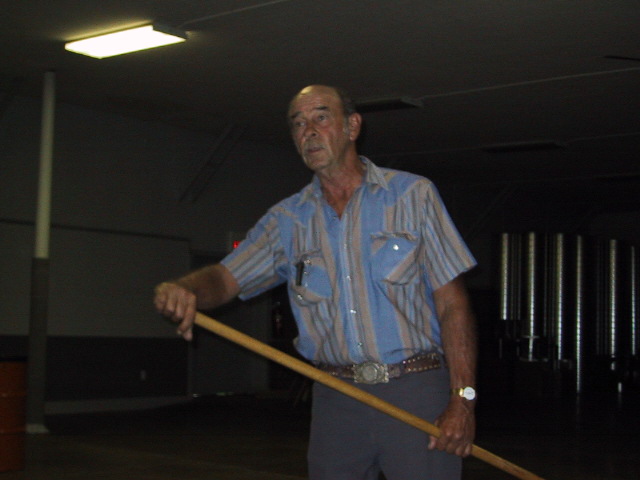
(248, 437)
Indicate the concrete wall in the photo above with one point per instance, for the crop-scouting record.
(118, 228)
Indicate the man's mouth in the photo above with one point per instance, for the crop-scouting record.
(311, 149)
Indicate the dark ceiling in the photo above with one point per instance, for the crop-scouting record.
(512, 92)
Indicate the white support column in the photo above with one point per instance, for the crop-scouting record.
(37, 357)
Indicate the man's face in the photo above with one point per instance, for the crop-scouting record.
(320, 131)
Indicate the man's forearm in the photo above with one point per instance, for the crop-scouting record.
(212, 285)
(459, 343)
(458, 331)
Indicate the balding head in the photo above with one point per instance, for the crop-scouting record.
(344, 99)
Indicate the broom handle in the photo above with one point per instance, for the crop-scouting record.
(329, 380)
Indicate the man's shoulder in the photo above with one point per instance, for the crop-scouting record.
(402, 180)
(390, 176)
(294, 202)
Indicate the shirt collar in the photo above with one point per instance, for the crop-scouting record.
(373, 176)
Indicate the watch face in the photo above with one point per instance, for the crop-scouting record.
(468, 393)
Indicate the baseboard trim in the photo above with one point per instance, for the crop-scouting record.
(111, 404)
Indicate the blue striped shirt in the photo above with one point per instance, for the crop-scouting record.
(361, 284)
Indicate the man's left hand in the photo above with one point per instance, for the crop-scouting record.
(457, 426)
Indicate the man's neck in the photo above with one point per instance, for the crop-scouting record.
(338, 186)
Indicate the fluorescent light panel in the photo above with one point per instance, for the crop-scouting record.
(126, 41)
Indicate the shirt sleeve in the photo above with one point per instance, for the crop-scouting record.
(447, 255)
(256, 263)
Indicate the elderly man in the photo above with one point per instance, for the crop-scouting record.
(374, 267)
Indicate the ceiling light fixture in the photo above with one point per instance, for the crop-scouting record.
(388, 103)
(127, 41)
(622, 57)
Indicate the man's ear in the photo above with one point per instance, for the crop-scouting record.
(355, 124)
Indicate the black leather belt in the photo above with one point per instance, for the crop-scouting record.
(374, 372)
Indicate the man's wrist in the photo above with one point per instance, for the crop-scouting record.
(467, 393)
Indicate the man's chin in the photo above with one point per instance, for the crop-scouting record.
(314, 162)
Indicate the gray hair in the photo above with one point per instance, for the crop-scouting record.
(348, 105)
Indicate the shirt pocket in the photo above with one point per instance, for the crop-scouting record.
(309, 281)
(394, 256)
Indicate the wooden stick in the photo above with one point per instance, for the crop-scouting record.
(327, 379)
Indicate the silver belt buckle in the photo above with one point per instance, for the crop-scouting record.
(371, 373)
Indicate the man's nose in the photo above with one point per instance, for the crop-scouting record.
(309, 131)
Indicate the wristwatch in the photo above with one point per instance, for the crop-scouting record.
(468, 393)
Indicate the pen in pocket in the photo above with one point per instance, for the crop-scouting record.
(299, 272)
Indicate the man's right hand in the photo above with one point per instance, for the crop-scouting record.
(179, 305)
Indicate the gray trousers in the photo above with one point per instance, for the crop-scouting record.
(352, 441)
